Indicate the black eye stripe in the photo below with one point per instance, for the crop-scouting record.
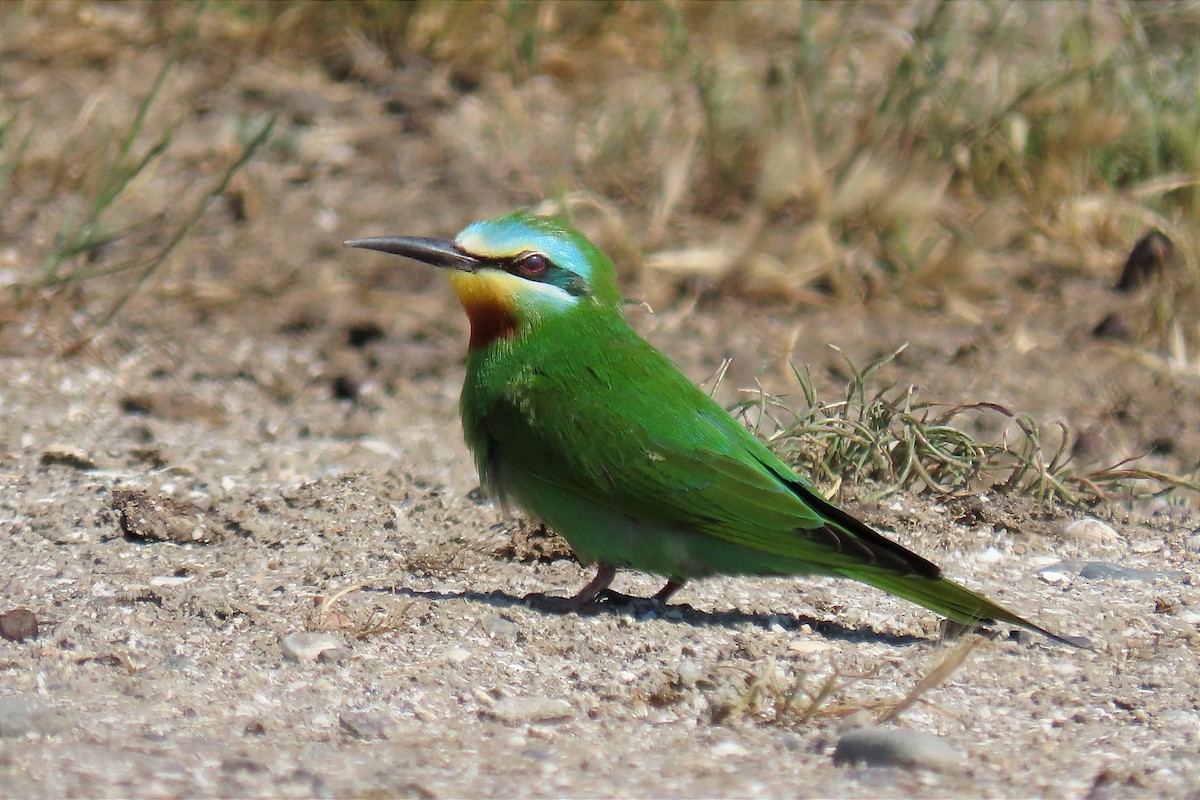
(534, 266)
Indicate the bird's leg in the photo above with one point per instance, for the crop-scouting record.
(604, 577)
(672, 586)
(661, 596)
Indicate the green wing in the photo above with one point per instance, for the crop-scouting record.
(621, 427)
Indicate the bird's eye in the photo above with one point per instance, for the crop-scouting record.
(533, 265)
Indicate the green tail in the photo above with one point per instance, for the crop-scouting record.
(955, 602)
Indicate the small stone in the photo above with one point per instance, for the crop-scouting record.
(896, 747)
(807, 646)
(689, 672)
(365, 725)
(991, 556)
(500, 626)
(530, 709)
(727, 748)
(18, 625)
(307, 646)
(64, 455)
(171, 580)
(1091, 531)
(1052, 575)
(159, 518)
(457, 655)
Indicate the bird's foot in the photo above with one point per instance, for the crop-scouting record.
(597, 593)
(583, 599)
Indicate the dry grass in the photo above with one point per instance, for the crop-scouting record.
(847, 148)
(815, 150)
(885, 435)
(774, 698)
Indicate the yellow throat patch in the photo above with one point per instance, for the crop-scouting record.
(489, 298)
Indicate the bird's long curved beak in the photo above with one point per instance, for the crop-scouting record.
(437, 252)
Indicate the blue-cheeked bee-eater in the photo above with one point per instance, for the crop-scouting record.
(591, 430)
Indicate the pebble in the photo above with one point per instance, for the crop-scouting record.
(65, 455)
(308, 646)
(171, 580)
(499, 626)
(727, 748)
(991, 556)
(456, 655)
(1101, 571)
(18, 625)
(896, 747)
(689, 672)
(159, 518)
(530, 709)
(1091, 531)
(365, 725)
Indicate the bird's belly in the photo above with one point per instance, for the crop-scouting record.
(598, 533)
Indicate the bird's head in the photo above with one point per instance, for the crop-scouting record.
(512, 272)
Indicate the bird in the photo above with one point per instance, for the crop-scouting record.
(591, 430)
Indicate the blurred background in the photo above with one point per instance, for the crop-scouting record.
(1026, 172)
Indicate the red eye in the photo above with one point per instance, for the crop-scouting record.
(533, 265)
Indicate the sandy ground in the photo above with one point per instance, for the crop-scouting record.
(159, 668)
(274, 423)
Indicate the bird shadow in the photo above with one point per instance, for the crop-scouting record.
(612, 603)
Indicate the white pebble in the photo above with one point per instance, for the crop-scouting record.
(530, 709)
(307, 646)
(1091, 531)
(991, 556)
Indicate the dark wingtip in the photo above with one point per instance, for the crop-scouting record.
(1082, 642)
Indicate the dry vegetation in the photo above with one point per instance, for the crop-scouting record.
(811, 153)
(841, 148)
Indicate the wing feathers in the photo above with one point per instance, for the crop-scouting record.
(880, 550)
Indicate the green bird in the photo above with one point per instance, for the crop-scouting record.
(587, 427)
